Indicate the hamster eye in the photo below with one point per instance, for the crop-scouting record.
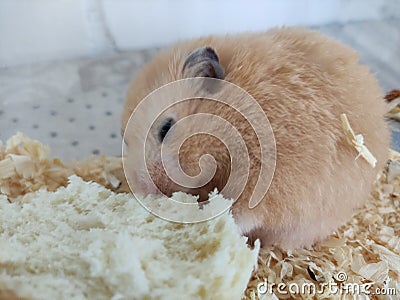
(166, 126)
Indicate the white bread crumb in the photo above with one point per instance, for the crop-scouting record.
(86, 242)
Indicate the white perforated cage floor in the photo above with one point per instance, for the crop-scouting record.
(75, 106)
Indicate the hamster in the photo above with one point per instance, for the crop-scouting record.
(303, 82)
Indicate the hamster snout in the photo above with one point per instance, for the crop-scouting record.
(191, 164)
(302, 81)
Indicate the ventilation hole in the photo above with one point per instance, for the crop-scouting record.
(92, 127)
(108, 113)
(14, 120)
(53, 134)
(113, 135)
(96, 152)
(75, 143)
(104, 94)
(71, 120)
(70, 100)
(35, 126)
(36, 106)
(88, 106)
(53, 113)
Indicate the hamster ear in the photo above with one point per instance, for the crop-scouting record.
(202, 62)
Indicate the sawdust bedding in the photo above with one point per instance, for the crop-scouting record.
(361, 259)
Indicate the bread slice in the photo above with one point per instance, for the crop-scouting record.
(85, 242)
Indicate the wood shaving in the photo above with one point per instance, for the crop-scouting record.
(393, 108)
(365, 252)
(357, 141)
(394, 94)
(26, 166)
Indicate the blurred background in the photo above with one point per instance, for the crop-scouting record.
(65, 65)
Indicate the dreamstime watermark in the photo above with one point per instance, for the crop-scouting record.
(339, 286)
(164, 120)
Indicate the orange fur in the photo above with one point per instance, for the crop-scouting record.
(303, 81)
